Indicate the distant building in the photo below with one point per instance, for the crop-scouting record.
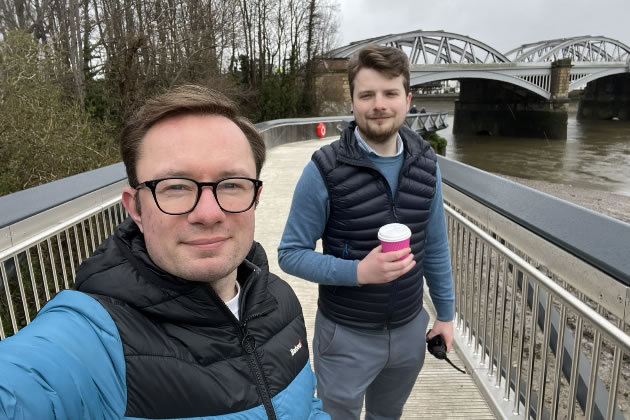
(438, 87)
(430, 88)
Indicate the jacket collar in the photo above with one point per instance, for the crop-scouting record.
(351, 152)
(122, 269)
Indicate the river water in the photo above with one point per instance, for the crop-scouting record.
(595, 155)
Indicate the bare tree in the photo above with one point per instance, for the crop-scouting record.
(139, 47)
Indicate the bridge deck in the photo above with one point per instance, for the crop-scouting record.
(440, 392)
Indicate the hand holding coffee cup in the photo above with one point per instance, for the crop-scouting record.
(390, 260)
(394, 236)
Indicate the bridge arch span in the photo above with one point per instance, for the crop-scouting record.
(581, 49)
(431, 47)
(418, 79)
(580, 79)
(546, 69)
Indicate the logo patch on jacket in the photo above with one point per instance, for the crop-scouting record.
(297, 348)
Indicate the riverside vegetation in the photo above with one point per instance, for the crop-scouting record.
(437, 142)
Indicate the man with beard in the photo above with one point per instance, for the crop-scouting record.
(176, 315)
(369, 340)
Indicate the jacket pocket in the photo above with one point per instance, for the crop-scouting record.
(345, 251)
(327, 332)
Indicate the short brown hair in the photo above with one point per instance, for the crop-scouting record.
(390, 61)
(183, 100)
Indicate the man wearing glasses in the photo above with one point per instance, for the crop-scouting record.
(176, 315)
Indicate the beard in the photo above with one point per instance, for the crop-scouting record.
(378, 134)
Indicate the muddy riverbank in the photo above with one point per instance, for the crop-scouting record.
(608, 203)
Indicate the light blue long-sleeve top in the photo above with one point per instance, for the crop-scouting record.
(307, 221)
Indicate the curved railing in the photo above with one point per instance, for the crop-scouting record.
(542, 297)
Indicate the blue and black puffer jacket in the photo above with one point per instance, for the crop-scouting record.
(162, 347)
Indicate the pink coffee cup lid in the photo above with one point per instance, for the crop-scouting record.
(394, 232)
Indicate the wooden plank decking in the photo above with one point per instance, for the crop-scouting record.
(440, 392)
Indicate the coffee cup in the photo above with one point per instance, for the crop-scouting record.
(394, 236)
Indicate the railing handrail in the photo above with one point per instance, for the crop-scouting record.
(618, 336)
(26, 203)
(599, 240)
(23, 204)
(56, 228)
(502, 273)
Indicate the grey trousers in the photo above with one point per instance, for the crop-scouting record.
(379, 365)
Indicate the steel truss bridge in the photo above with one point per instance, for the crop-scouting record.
(439, 55)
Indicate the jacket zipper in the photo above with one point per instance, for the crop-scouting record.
(249, 345)
(390, 193)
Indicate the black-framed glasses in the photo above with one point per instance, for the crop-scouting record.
(175, 195)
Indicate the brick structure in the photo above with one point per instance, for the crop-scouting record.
(332, 91)
(560, 80)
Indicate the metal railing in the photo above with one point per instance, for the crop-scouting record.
(47, 249)
(540, 340)
(427, 122)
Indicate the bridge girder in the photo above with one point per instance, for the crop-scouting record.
(439, 55)
(582, 49)
(536, 81)
(581, 75)
(430, 47)
(439, 47)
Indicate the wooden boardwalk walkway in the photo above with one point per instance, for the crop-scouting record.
(440, 392)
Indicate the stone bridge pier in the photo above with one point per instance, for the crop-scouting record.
(490, 107)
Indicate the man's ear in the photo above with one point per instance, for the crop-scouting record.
(409, 95)
(258, 196)
(129, 197)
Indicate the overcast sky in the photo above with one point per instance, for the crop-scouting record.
(502, 24)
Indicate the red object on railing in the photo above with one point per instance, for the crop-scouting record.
(321, 130)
